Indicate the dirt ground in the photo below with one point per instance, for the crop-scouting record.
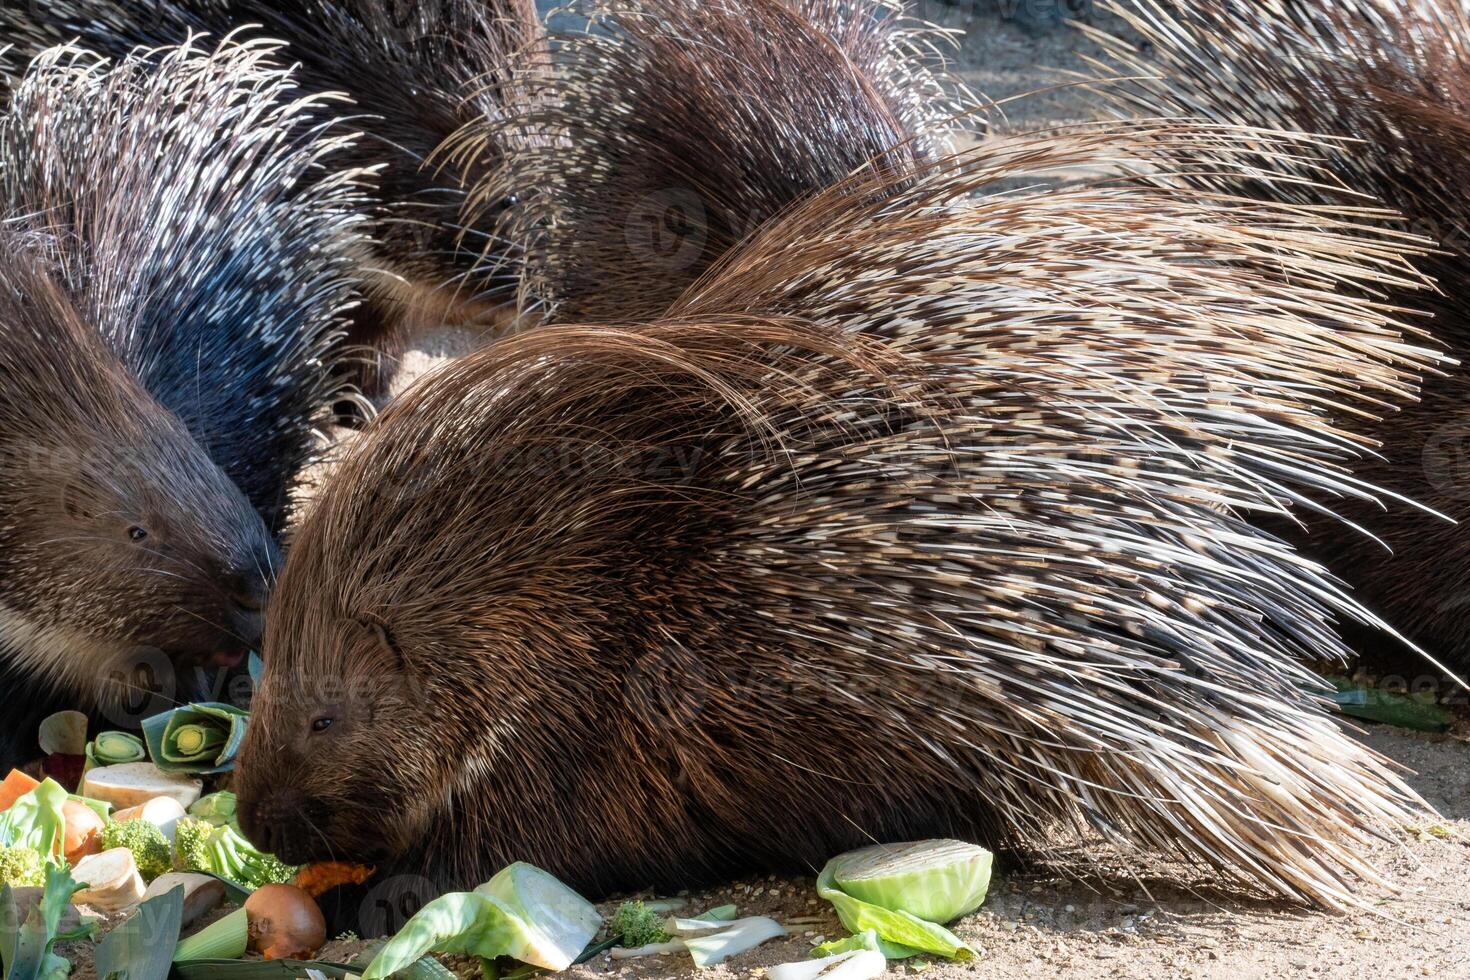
(1038, 925)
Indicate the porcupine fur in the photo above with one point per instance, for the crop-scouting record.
(927, 510)
(686, 171)
(173, 285)
(415, 73)
(1391, 82)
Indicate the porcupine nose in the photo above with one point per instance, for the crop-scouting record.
(280, 823)
(248, 592)
(261, 823)
(248, 587)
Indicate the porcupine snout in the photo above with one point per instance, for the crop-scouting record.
(247, 589)
(280, 822)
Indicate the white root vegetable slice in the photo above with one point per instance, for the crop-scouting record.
(64, 733)
(715, 920)
(737, 937)
(652, 949)
(110, 880)
(860, 964)
(136, 783)
(202, 893)
(163, 812)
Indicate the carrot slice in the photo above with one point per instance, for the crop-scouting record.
(15, 785)
(316, 879)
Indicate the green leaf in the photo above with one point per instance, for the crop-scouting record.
(142, 947)
(1402, 710)
(216, 809)
(867, 939)
(522, 912)
(940, 877)
(30, 956)
(36, 821)
(114, 749)
(198, 739)
(225, 939)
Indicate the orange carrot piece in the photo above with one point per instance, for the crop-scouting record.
(15, 785)
(317, 879)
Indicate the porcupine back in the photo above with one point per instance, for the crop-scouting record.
(205, 230)
(414, 73)
(173, 289)
(1391, 82)
(650, 158)
(932, 508)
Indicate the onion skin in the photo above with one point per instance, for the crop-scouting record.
(83, 826)
(285, 923)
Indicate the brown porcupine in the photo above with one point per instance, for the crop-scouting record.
(928, 510)
(414, 74)
(691, 167)
(1391, 82)
(172, 287)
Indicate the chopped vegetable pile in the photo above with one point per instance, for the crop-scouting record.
(137, 823)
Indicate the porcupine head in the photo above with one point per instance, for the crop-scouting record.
(128, 559)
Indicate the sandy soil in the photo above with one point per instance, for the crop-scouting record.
(1140, 922)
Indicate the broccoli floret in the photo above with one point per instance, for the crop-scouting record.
(638, 924)
(199, 846)
(190, 837)
(150, 848)
(21, 867)
(267, 869)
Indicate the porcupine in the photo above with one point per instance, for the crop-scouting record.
(172, 296)
(415, 73)
(925, 510)
(1391, 82)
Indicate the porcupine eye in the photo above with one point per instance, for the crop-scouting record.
(321, 724)
(137, 534)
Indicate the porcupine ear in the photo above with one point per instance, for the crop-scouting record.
(664, 133)
(386, 642)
